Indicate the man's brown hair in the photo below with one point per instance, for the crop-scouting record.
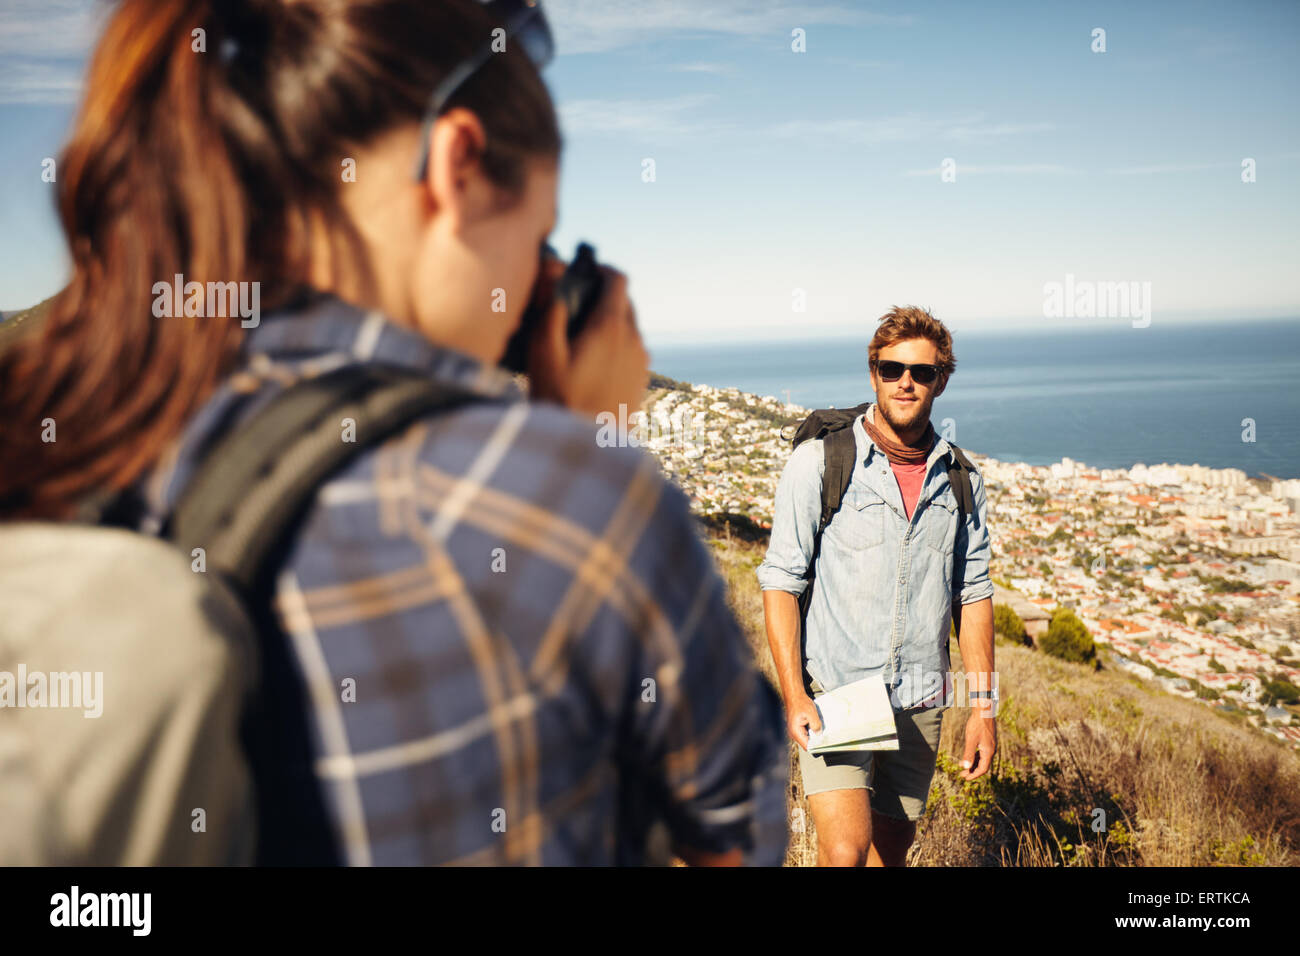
(912, 322)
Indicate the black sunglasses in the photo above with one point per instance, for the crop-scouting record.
(921, 374)
(523, 20)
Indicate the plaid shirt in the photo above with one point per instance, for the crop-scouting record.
(542, 649)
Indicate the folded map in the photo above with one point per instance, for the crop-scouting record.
(857, 716)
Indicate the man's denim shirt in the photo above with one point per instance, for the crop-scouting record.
(885, 587)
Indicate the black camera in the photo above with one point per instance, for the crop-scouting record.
(579, 288)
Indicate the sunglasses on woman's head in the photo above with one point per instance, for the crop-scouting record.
(524, 22)
(922, 374)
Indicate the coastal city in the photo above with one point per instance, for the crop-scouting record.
(1188, 576)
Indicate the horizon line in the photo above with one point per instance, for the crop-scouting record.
(957, 326)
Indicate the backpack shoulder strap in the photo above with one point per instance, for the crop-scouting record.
(959, 471)
(840, 451)
(256, 481)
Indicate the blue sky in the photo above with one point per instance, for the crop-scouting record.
(819, 171)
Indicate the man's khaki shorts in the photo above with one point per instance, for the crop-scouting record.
(899, 780)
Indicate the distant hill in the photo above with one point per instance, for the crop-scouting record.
(16, 321)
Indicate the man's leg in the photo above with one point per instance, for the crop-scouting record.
(891, 838)
(901, 785)
(836, 786)
(842, 789)
(843, 822)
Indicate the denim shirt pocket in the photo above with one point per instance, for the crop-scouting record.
(940, 522)
(939, 529)
(861, 521)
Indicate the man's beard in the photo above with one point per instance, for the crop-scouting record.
(922, 415)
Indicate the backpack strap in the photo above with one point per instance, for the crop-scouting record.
(254, 484)
(840, 451)
(959, 472)
(242, 506)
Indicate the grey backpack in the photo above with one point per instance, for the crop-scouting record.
(126, 675)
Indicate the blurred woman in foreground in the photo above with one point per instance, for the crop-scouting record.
(542, 654)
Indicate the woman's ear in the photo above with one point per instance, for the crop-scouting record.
(454, 177)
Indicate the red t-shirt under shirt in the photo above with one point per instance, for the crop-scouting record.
(910, 478)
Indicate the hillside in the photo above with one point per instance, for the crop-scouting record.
(19, 321)
(1180, 784)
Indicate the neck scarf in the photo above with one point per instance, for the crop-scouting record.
(897, 452)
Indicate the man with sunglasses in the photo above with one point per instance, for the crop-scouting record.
(895, 566)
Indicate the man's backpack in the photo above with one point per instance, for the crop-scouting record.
(839, 449)
(161, 775)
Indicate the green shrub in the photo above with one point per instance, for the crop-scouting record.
(1008, 625)
(1068, 639)
(1281, 691)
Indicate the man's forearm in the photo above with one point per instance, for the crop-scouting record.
(975, 639)
(781, 614)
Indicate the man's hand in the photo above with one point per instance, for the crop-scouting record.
(801, 717)
(981, 742)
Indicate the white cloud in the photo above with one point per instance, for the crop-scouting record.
(43, 44)
(674, 115)
(854, 63)
(700, 68)
(898, 129)
(1018, 169)
(40, 83)
(596, 26)
(640, 117)
(56, 28)
(1170, 168)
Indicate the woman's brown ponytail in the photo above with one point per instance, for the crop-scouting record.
(210, 135)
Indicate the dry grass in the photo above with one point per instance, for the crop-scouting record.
(1178, 784)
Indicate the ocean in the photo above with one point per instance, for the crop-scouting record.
(1109, 397)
